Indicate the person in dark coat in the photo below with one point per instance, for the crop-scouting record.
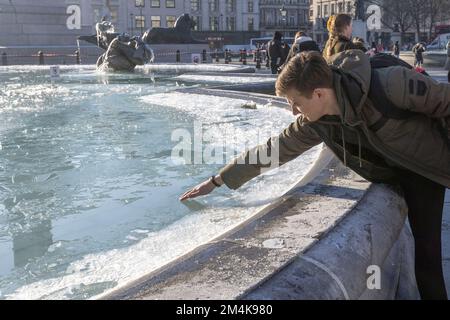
(397, 49)
(301, 43)
(275, 51)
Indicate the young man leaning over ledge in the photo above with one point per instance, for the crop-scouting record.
(333, 106)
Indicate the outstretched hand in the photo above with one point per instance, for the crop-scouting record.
(200, 190)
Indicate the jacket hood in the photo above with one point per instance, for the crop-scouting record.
(351, 79)
(303, 39)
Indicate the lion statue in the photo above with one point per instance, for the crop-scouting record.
(180, 33)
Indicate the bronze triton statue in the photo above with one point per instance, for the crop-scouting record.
(124, 53)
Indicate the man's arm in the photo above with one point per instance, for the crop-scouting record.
(292, 142)
(415, 92)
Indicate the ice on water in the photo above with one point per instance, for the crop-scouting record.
(88, 191)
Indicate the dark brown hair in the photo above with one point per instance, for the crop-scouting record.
(305, 72)
(300, 34)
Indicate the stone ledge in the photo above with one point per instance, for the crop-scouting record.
(316, 242)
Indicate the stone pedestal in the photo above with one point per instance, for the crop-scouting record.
(360, 30)
(396, 36)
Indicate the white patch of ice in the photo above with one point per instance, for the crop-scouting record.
(222, 79)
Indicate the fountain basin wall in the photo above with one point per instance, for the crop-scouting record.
(430, 59)
(277, 255)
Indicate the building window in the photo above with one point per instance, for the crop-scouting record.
(333, 7)
(213, 5)
(292, 21)
(170, 21)
(349, 7)
(113, 15)
(251, 24)
(195, 5)
(96, 15)
(140, 21)
(340, 7)
(170, 3)
(231, 4)
(231, 24)
(250, 7)
(156, 21)
(325, 10)
(140, 3)
(156, 4)
(213, 23)
(319, 11)
(198, 23)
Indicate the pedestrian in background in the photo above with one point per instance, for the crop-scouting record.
(301, 43)
(275, 51)
(397, 49)
(418, 51)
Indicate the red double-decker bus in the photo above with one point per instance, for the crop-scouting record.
(440, 29)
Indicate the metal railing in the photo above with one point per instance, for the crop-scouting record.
(41, 57)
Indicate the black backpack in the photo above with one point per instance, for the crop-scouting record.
(384, 60)
(382, 103)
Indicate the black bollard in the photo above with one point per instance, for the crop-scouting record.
(41, 57)
(204, 56)
(226, 56)
(258, 59)
(77, 57)
(244, 56)
(240, 55)
(217, 56)
(178, 56)
(4, 59)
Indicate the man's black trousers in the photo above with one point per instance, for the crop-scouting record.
(425, 200)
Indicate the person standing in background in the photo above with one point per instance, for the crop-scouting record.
(301, 43)
(397, 50)
(418, 51)
(340, 28)
(275, 51)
